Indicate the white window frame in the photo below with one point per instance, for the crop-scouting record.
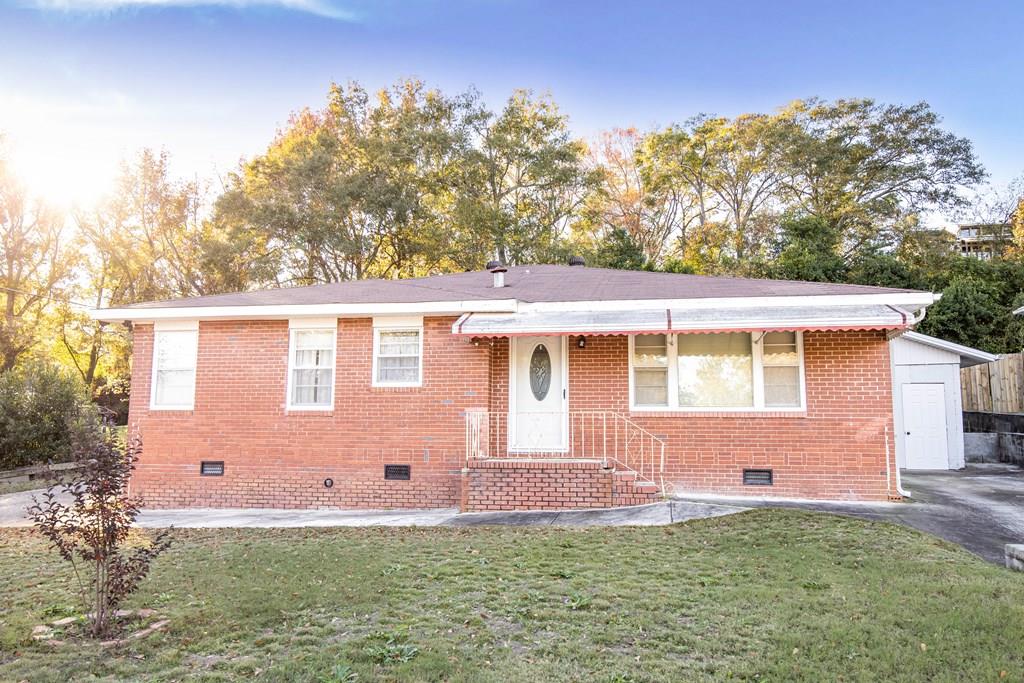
(160, 327)
(757, 339)
(396, 324)
(306, 325)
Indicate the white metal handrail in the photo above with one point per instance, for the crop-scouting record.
(603, 435)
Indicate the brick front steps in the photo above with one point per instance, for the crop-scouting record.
(510, 484)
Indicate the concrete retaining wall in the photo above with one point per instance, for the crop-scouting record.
(981, 447)
(994, 437)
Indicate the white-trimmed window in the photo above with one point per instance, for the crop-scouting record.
(175, 349)
(781, 359)
(311, 352)
(722, 371)
(397, 352)
(650, 370)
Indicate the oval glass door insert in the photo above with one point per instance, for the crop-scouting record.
(540, 372)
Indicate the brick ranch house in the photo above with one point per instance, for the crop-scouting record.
(538, 386)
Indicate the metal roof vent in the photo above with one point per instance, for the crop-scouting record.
(491, 265)
(577, 261)
(498, 271)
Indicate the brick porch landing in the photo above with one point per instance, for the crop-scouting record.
(518, 484)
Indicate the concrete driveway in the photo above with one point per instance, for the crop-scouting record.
(980, 508)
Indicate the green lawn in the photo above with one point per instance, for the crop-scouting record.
(766, 595)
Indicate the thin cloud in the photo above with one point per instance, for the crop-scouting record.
(321, 8)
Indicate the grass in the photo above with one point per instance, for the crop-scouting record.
(765, 595)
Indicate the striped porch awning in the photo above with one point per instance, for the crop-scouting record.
(665, 320)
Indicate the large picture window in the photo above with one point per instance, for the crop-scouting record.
(717, 371)
(174, 367)
(311, 368)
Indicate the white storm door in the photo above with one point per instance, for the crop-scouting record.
(538, 396)
(924, 424)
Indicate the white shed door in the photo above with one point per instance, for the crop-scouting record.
(924, 421)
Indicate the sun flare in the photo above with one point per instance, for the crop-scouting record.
(62, 175)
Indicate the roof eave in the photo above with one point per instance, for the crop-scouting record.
(910, 301)
(973, 356)
(290, 311)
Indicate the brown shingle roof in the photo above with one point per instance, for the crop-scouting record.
(534, 283)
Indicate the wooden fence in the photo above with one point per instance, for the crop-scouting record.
(996, 387)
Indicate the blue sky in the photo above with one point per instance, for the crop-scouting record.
(83, 82)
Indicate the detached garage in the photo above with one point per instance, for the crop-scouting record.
(926, 400)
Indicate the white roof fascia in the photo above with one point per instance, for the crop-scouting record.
(959, 349)
(911, 301)
(286, 311)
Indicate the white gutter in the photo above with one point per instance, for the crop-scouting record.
(288, 311)
(913, 301)
(899, 483)
(899, 486)
(895, 461)
(909, 300)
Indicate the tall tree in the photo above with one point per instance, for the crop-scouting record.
(808, 251)
(730, 172)
(36, 260)
(968, 313)
(146, 237)
(625, 201)
(862, 165)
(355, 190)
(525, 179)
(145, 241)
(746, 174)
(676, 165)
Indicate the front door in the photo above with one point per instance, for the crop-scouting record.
(924, 424)
(538, 396)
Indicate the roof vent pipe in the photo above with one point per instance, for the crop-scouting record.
(498, 272)
(577, 261)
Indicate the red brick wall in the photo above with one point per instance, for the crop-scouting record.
(276, 458)
(518, 485)
(279, 458)
(836, 449)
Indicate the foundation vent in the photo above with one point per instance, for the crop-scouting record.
(397, 472)
(757, 477)
(211, 468)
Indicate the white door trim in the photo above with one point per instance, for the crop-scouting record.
(513, 354)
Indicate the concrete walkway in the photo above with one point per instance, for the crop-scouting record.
(646, 515)
(12, 508)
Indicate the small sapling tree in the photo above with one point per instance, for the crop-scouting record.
(89, 521)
